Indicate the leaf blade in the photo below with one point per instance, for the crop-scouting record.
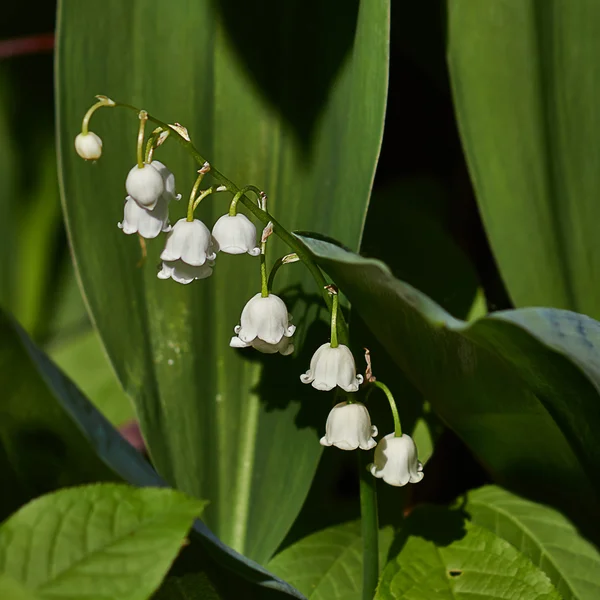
(544, 535)
(531, 161)
(459, 560)
(64, 543)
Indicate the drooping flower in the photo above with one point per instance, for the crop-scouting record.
(181, 272)
(235, 235)
(145, 185)
(396, 461)
(88, 145)
(332, 366)
(264, 320)
(189, 241)
(349, 427)
(148, 223)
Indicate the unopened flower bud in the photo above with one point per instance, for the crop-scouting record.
(145, 185)
(88, 146)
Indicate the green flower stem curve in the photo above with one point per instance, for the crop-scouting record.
(386, 390)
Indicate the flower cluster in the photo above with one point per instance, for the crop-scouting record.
(190, 252)
(191, 248)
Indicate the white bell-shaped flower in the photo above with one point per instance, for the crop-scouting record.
(396, 461)
(181, 272)
(88, 146)
(349, 427)
(168, 180)
(235, 235)
(332, 366)
(189, 241)
(264, 319)
(145, 185)
(148, 223)
(284, 346)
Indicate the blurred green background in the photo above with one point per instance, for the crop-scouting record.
(37, 280)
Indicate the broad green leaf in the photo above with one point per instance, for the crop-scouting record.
(13, 590)
(51, 436)
(234, 427)
(106, 541)
(327, 565)
(542, 534)
(526, 100)
(82, 358)
(445, 557)
(519, 387)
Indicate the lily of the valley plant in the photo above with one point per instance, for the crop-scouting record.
(190, 252)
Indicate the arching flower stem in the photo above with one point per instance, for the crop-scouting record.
(102, 101)
(242, 192)
(386, 390)
(284, 260)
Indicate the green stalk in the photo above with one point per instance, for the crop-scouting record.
(334, 314)
(140, 141)
(284, 260)
(190, 210)
(393, 407)
(369, 527)
(264, 217)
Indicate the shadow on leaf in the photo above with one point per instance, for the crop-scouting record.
(293, 51)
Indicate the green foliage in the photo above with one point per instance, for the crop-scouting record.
(526, 97)
(542, 534)
(328, 565)
(64, 545)
(528, 376)
(441, 555)
(51, 436)
(9, 588)
(220, 424)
